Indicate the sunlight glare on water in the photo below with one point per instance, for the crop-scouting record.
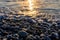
(30, 4)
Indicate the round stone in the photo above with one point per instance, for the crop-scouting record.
(23, 34)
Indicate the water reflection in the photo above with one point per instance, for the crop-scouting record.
(32, 8)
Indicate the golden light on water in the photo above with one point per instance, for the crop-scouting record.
(30, 4)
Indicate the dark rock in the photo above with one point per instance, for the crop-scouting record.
(1, 17)
(22, 34)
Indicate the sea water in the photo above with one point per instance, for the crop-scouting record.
(44, 8)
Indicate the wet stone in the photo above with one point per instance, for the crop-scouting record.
(27, 28)
(23, 34)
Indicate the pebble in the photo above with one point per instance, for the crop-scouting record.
(22, 34)
(27, 28)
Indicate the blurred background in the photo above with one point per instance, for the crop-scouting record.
(43, 8)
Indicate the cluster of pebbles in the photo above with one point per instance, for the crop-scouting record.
(27, 28)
